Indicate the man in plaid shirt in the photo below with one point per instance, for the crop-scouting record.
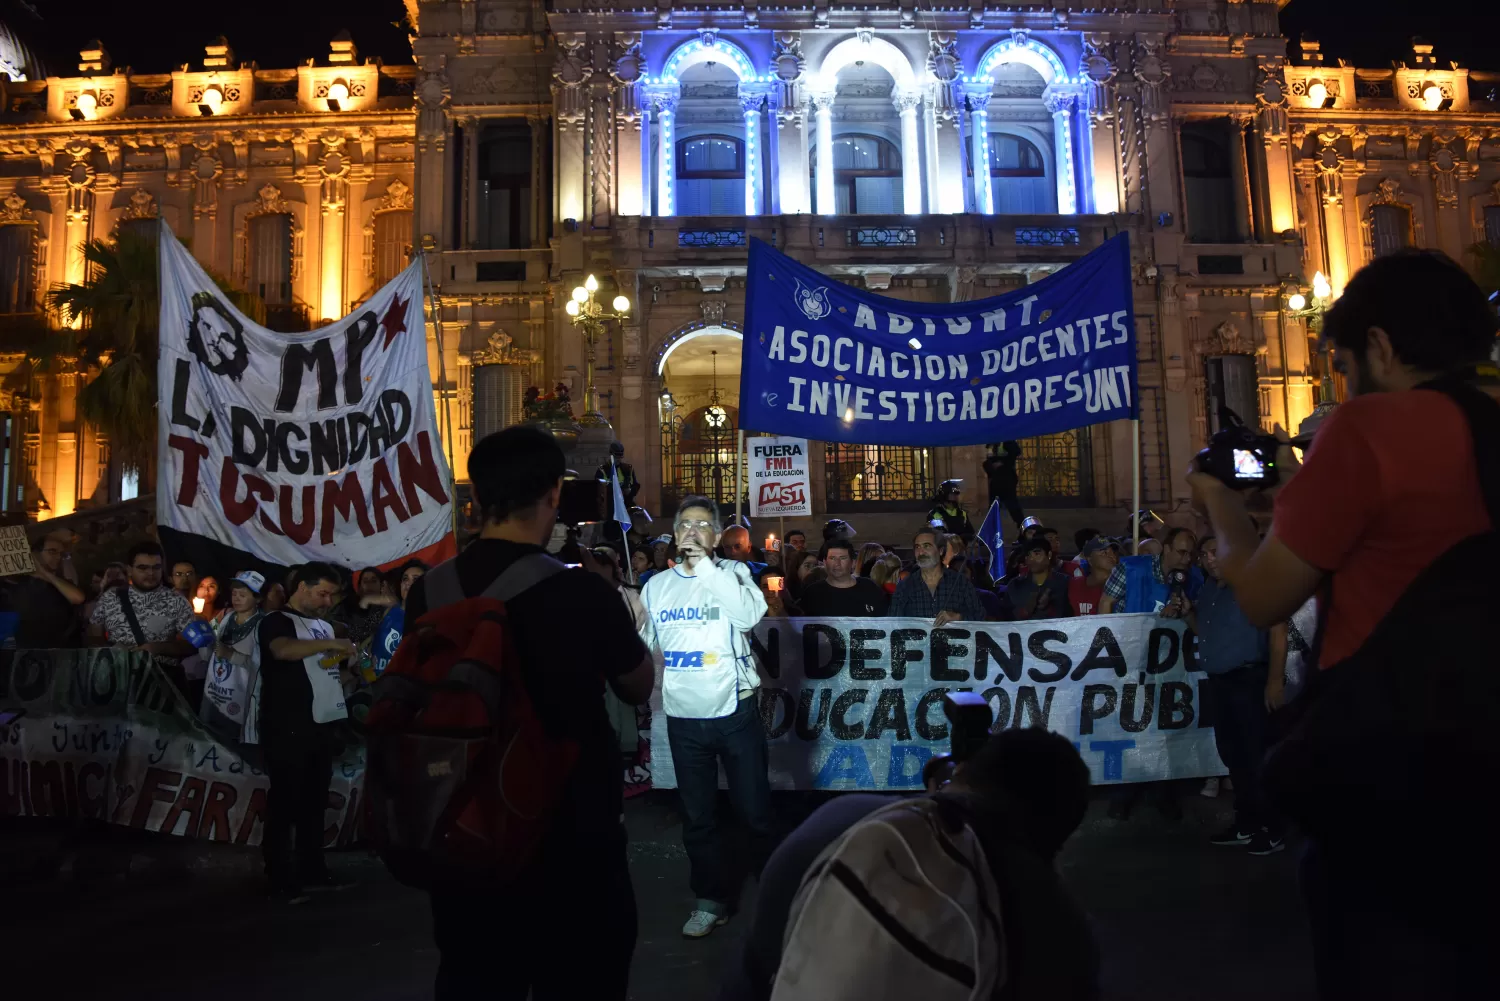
(935, 592)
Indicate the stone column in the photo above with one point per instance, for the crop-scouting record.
(429, 168)
(1239, 175)
(631, 182)
(823, 112)
(468, 189)
(977, 100)
(1331, 195)
(931, 176)
(911, 153)
(665, 103)
(1102, 147)
(950, 164)
(540, 210)
(601, 150)
(751, 100)
(1060, 104)
(791, 150)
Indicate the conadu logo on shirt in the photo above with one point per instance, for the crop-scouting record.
(703, 613)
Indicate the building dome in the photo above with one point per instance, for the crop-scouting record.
(17, 60)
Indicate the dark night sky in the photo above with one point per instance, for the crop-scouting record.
(156, 35)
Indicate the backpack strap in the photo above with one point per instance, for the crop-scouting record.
(128, 610)
(442, 586)
(522, 575)
(1482, 412)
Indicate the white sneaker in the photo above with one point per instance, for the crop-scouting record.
(1210, 789)
(700, 923)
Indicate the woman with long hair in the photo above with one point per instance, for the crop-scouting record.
(796, 580)
(868, 554)
(886, 572)
(388, 633)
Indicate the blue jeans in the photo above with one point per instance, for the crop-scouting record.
(698, 747)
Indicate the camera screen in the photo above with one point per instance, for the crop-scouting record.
(1247, 465)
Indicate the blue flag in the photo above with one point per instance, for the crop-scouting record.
(992, 534)
(827, 361)
(622, 513)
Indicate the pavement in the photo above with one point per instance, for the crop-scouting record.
(96, 912)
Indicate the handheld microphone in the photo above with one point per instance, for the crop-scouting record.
(1176, 583)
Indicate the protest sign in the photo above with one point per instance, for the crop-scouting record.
(297, 447)
(15, 551)
(107, 737)
(827, 361)
(778, 477)
(858, 703)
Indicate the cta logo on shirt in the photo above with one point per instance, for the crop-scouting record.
(689, 658)
(689, 616)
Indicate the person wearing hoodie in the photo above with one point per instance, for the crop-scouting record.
(697, 614)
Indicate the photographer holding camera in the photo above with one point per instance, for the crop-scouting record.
(697, 613)
(571, 634)
(1392, 521)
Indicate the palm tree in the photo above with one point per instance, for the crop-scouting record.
(112, 318)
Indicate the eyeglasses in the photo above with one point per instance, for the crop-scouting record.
(702, 526)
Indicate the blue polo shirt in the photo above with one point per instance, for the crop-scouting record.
(1226, 639)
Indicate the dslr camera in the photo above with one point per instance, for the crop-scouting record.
(969, 723)
(1238, 457)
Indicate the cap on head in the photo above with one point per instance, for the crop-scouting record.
(249, 579)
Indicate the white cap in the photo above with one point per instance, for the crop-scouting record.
(250, 579)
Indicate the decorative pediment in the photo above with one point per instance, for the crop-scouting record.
(269, 201)
(15, 209)
(142, 205)
(397, 195)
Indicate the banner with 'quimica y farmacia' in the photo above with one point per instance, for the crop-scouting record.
(826, 361)
(858, 703)
(320, 445)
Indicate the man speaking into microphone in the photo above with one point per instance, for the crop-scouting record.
(697, 614)
(1161, 584)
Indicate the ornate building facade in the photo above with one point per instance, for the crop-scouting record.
(928, 154)
(295, 184)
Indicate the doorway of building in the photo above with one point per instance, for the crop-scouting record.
(699, 411)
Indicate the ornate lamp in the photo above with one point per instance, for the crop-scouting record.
(590, 316)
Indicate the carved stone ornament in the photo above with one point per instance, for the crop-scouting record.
(713, 311)
(397, 195)
(570, 69)
(1152, 73)
(501, 350)
(432, 91)
(942, 56)
(1270, 89)
(630, 63)
(142, 205)
(497, 79)
(1228, 340)
(787, 63)
(1388, 192)
(14, 209)
(270, 201)
(1097, 67)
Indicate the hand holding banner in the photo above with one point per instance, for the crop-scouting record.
(826, 361)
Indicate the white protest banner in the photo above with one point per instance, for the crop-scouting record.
(858, 703)
(778, 477)
(15, 551)
(297, 447)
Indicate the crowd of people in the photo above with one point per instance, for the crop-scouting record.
(952, 893)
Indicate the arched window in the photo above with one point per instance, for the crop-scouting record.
(1390, 228)
(1012, 156)
(866, 175)
(1019, 185)
(710, 176)
(269, 274)
(17, 268)
(392, 241)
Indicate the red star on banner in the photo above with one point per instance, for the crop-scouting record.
(394, 320)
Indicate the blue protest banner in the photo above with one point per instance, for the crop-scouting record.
(826, 361)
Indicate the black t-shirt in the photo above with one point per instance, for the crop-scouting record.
(865, 598)
(46, 618)
(571, 632)
(285, 693)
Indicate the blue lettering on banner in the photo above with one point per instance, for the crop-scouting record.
(827, 361)
(706, 613)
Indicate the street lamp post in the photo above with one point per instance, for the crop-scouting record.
(590, 316)
(1309, 304)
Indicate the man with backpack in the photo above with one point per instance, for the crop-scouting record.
(697, 614)
(1391, 521)
(564, 927)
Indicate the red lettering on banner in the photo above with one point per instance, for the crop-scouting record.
(421, 472)
(383, 495)
(299, 532)
(189, 804)
(159, 786)
(215, 825)
(239, 511)
(346, 498)
(192, 452)
(253, 811)
(91, 805)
